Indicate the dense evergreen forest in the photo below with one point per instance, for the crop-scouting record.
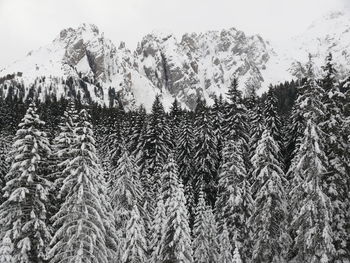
(247, 179)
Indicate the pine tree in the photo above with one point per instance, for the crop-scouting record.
(23, 214)
(176, 239)
(184, 152)
(157, 229)
(336, 183)
(236, 256)
(217, 116)
(6, 250)
(269, 217)
(125, 189)
(256, 127)
(225, 255)
(5, 144)
(272, 120)
(205, 155)
(205, 248)
(184, 160)
(62, 155)
(175, 120)
(212, 234)
(235, 126)
(136, 131)
(125, 192)
(295, 132)
(310, 205)
(135, 248)
(156, 143)
(83, 217)
(234, 204)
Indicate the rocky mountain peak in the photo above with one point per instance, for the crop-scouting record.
(196, 64)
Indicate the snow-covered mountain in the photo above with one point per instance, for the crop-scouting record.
(84, 63)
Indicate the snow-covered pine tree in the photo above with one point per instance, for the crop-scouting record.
(110, 142)
(225, 254)
(23, 216)
(256, 119)
(309, 203)
(269, 218)
(205, 247)
(235, 124)
(184, 159)
(212, 234)
(125, 189)
(6, 250)
(236, 256)
(273, 121)
(62, 154)
(175, 116)
(84, 233)
(234, 204)
(157, 228)
(137, 130)
(336, 182)
(5, 144)
(294, 132)
(184, 150)
(135, 245)
(235, 119)
(176, 238)
(205, 154)
(217, 115)
(148, 202)
(156, 143)
(125, 192)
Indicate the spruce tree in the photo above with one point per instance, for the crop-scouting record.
(310, 205)
(205, 248)
(5, 144)
(234, 204)
(269, 218)
(272, 120)
(336, 183)
(125, 192)
(83, 235)
(184, 160)
(6, 250)
(256, 127)
(212, 234)
(156, 143)
(23, 215)
(124, 189)
(176, 239)
(225, 255)
(217, 115)
(136, 131)
(157, 229)
(236, 256)
(175, 120)
(295, 132)
(135, 246)
(62, 155)
(235, 124)
(184, 152)
(205, 154)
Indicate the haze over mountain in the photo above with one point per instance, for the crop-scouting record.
(196, 64)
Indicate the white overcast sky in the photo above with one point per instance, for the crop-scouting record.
(29, 24)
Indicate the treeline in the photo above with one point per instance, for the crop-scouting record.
(244, 180)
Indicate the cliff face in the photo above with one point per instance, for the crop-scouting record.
(202, 64)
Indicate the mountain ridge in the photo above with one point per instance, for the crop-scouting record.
(199, 64)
